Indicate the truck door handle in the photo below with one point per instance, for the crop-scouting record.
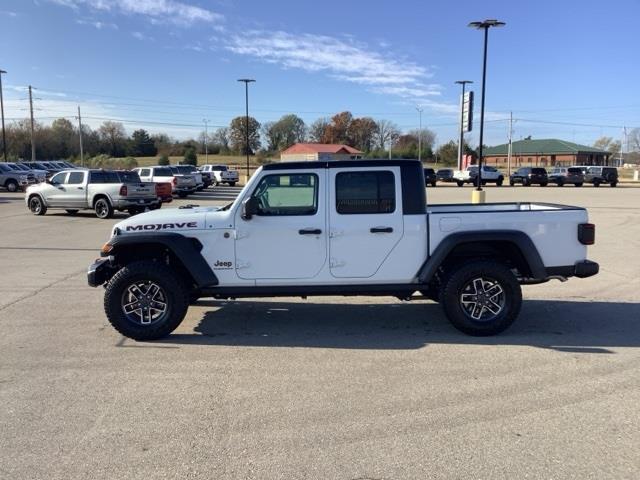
(381, 230)
(80, 188)
(310, 231)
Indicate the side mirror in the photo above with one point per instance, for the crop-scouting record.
(249, 208)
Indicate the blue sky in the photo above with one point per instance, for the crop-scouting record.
(566, 69)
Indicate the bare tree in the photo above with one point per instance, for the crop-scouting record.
(318, 130)
(386, 133)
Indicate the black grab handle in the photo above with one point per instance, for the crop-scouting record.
(381, 230)
(310, 231)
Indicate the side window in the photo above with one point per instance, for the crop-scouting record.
(58, 177)
(96, 177)
(287, 194)
(365, 192)
(145, 172)
(75, 178)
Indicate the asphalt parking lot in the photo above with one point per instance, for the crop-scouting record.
(330, 388)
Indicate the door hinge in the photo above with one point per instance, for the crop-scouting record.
(242, 264)
(238, 234)
(336, 233)
(333, 263)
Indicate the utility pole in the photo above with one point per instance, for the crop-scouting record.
(4, 138)
(206, 140)
(510, 144)
(33, 145)
(246, 81)
(80, 135)
(419, 109)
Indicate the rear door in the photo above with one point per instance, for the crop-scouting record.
(365, 219)
(74, 193)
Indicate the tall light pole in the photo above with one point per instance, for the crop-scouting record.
(246, 81)
(80, 136)
(420, 109)
(4, 138)
(485, 25)
(206, 140)
(33, 142)
(461, 142)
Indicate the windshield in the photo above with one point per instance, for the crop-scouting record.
(186, 168)
(129, 177)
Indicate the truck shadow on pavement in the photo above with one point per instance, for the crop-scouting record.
(566, 326)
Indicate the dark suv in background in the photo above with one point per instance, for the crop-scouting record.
(429, 177)
(445, 175)
(529, 176)
(600, 175)
(563, 175)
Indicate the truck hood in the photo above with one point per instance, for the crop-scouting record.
(174, 220)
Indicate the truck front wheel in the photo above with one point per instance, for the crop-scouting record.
(145, 300)
(481, 298)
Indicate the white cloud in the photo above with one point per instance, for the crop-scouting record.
(97, 24)
(341, 59)
(141, 36)
(158, 11)
(8, 13)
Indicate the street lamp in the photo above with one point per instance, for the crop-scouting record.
(206, 140)
(460, 144)
(246, 81)
(485, 25)
(420, 110)
(4, 138)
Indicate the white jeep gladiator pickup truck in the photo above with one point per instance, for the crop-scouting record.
(360, 227)
(470, 175)
(101, 190)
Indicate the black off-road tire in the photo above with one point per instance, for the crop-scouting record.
(544, 184)
(433, 184)
(460, 184)
(500, 181)
(232, 184)
(579, 184)
(614, 184)
(103, 208)
(36, 205)
(596, 183)
(176, 292)
(453, 287)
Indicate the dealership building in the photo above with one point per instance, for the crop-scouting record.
(320, 151)
(544, 153)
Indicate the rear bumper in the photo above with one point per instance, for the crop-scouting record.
(583, 269)
(135, 202)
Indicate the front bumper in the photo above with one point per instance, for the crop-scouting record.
(100, 271)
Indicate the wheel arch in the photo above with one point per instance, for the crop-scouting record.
(98, 196)
(514, 247)
(182, 253)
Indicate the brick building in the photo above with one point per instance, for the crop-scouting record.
(319, 151)
(545, 153)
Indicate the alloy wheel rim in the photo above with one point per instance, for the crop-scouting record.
(482, 299)
(35, 205)
(101, 208)
(144, 303)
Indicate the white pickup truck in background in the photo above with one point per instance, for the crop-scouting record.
(181, 185)
(470, 174)
(221, 174)
(339, 228)
(101, 190)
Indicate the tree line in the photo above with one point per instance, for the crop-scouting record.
(60, 139)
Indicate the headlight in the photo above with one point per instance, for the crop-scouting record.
(23, 178)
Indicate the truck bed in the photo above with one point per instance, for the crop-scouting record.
(552, 228)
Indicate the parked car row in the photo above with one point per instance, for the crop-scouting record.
(526, 176)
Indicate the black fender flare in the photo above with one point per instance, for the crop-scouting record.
(520, 239)
(186, 249)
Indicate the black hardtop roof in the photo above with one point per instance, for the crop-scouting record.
(341, 164)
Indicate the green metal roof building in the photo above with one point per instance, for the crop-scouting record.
(545, 153)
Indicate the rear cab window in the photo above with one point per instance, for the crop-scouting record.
(365, 192)
(162, 172)
(104, 177)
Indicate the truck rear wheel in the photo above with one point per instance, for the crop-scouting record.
(103, 208)
(459, 183)
(481, 298)
(145, 300)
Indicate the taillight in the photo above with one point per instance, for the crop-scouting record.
(587, 233)
(123, 191)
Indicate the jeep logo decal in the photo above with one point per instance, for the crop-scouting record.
(222, 265)
(161, 226)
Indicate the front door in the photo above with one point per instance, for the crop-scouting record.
(365, 219)
(56, 189)
(75, 193)
(287, 238)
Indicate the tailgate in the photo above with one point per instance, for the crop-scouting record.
(185, 181)
(141, 190)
